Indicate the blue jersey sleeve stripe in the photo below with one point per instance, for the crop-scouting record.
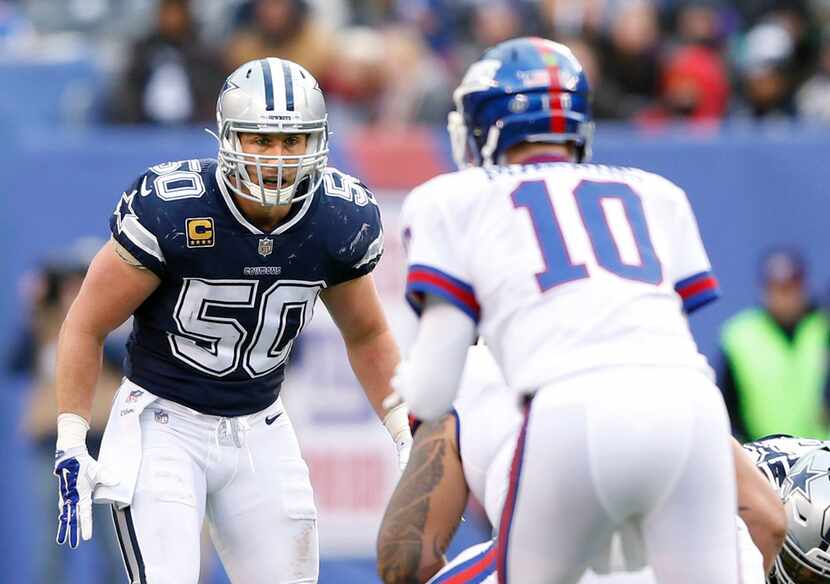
(695, 302)
(443, 275)
(697, 290)
(693, 279)
(427, 280)
(415, 297)
(472, 571)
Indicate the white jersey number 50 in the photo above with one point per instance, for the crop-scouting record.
(217, 344)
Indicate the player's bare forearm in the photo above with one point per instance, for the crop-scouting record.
(759, 506)
(373, 352)
(111, 291)
(77, 370)
(425, 508)
(373, 361)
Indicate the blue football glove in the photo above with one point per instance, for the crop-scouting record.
(78, 475)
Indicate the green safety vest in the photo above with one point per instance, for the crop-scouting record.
(780, 383)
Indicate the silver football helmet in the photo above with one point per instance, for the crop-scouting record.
(805, 558)
(269, 96)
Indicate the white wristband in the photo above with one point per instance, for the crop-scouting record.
(397, 420)
(72, 430)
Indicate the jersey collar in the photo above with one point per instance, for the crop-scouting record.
(542, 158)
(237, 214)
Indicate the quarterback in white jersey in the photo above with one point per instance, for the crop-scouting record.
(477, 438)
(578, 277)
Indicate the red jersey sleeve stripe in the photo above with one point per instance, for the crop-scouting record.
(698, 290)
(473, 571)
(427, 280)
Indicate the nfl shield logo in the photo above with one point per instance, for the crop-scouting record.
(134, 395)
(266, 246)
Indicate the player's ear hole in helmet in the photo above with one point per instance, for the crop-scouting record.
(805, 558)
(523, 90)
(283, 103)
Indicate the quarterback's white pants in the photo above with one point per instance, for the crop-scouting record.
(477, 565)
(642, 445)
(245, 476)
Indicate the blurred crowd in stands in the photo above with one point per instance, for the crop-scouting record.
(396, 61)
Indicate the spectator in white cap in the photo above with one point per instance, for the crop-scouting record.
(767, 72)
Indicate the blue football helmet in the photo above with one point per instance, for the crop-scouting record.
(522, 90)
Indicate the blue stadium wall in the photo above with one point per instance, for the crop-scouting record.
(750, 189)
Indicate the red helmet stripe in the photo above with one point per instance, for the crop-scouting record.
(557, 120)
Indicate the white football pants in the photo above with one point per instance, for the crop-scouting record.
(245, 475)
(477, 565)
(648, 445)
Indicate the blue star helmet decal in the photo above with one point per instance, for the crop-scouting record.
(228, 86)
(803, 479)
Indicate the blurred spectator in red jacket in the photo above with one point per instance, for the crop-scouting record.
(695, 88)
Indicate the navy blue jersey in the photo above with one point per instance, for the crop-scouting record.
(216, 334)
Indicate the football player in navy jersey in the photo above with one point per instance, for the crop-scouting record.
(221, 263)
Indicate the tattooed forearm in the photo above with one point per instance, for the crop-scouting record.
(400, 542)
(440, 543)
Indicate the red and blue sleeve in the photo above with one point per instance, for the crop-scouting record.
(697, 290)
(422, 280)
(478, 569)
